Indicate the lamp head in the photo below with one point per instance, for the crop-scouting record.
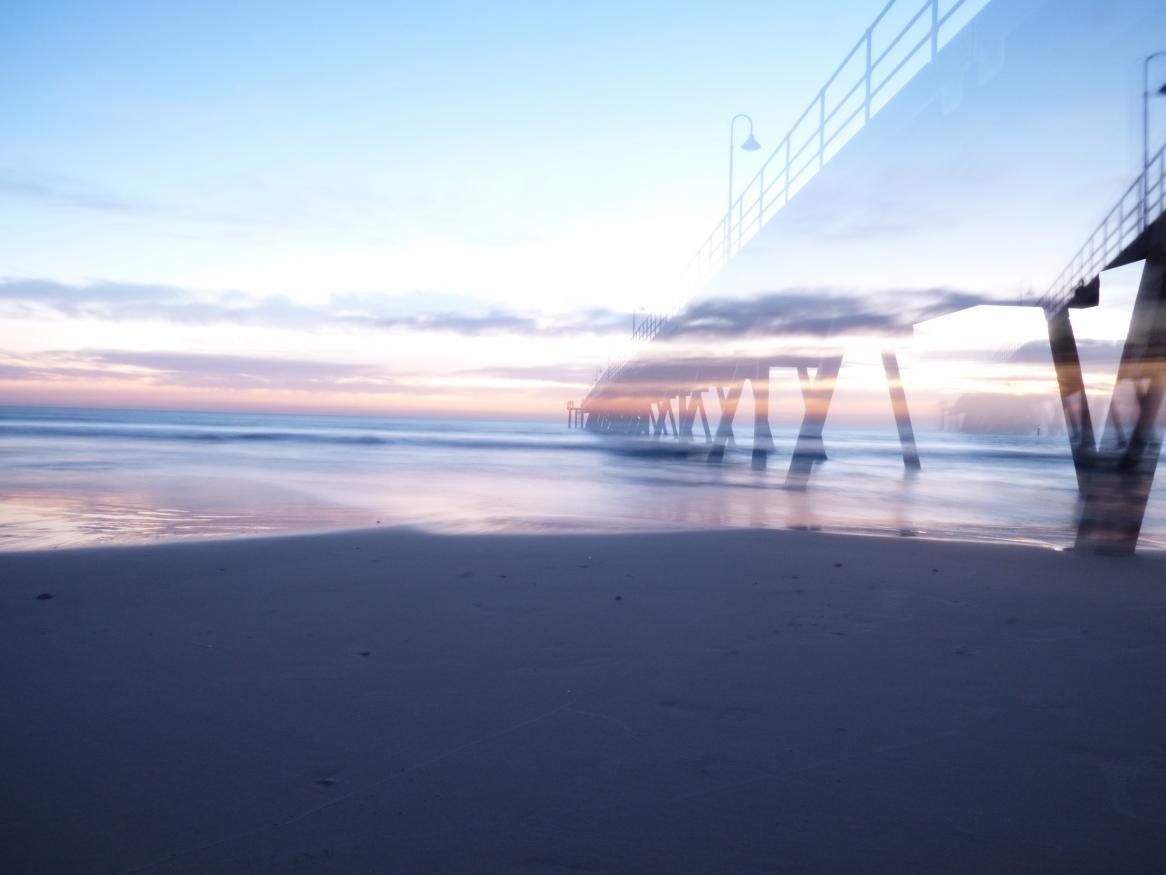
(751, 145)
(1162, 90)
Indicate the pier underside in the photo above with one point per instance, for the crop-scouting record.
(1115, 474)
(667, 400)
(662, 397)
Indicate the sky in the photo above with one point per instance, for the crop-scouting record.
(438, 209)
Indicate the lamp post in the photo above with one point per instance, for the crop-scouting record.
(750, 145)
(1146, 131)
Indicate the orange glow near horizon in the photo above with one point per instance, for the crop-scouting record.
(449, 404)
(860, 399)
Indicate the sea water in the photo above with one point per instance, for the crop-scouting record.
(75, 477)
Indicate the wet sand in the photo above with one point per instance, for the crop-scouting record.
(746, 701)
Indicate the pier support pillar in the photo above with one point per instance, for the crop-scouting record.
(704, 420)
(664, 416)
(724, 434)
(1071, 385)
(809, 448)
(1121, 472)
(899, 407)
(722, 401)
(762, 435)
(685, 414)
(807, 386)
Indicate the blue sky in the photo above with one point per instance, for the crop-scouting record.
(462, 198)
(154, 138)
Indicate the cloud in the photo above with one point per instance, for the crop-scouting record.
(57, 191)
(165, 370)
(145, 301)
(560, 372)
(500, 321)
(212, 368)
(153, 302)
(244, 372)
(1091, 352)
(821, 312)
(258, 207)
(788, 312)
(203, 370)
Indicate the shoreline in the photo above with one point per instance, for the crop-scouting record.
(145, 479)
(545, 529)
(735, 700)
(456, 532)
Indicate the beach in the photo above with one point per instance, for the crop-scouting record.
(88, 477)
(745, 701)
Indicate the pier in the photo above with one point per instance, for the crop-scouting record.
(666, 389)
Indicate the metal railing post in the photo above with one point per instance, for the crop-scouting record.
(868, 72)
(787, 168)
(1161, 180)
(934, 27)
(761, 196)
(906, 46)
(740, 220)
(821, 128)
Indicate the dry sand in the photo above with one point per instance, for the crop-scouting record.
(718, 702)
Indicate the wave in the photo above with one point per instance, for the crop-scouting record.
(163, 434)
(67, 428)
(966, 452)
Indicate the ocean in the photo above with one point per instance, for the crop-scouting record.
(82, 477)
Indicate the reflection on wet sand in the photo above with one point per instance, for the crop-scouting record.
(52, 519)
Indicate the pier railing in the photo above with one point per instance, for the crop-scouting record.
(1142, 203)
(903, 38)
(650, 325)
(892, 49)
(896, 45)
